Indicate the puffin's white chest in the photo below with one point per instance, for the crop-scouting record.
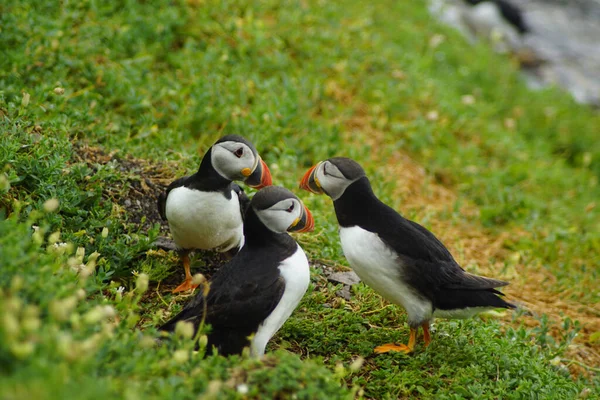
(296, 273)
(204, 220)
(380, 268)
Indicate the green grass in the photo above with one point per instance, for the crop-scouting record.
(162, 81)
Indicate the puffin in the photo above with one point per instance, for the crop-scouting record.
(205, 210)
(401, 260)
(251, 296)
(510, 12)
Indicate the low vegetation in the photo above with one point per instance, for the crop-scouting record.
(103, 103)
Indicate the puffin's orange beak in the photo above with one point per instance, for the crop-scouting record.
(261, 176)
(306, 223)
(309, 181)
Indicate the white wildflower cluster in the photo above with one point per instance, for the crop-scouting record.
(119, 293)
(67, 330)
(77, 265)
(57, 247)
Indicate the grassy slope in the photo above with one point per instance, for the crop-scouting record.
(305, 81)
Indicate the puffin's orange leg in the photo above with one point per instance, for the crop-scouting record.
(187, 283)
(426, 335)
(402, 348)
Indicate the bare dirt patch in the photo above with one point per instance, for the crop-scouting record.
(138, 196)
(145, 181)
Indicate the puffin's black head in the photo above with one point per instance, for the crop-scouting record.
(280, 210)
(236, 159)
(332, 176)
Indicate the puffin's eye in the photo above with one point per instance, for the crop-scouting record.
(239, 152)
(290, 208)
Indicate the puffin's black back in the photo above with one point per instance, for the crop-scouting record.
(244, 291)
(359, 206)
(206, 179)
(427, 265)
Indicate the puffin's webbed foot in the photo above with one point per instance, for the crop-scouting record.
(187, 283)
(404, 348)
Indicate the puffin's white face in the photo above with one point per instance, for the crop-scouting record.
(284, 216)
(233, 160)
(328, 178)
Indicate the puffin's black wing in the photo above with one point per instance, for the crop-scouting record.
(247, 305)
(409, 239)
(427, 262)
(473, 282)
(236, 302)
(162, 198)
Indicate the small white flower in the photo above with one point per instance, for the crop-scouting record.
(357, 364)
(25, 99)
(54, 237)
(80, 294)
(432, 115)
(119, 293)
(51, 205)
(141, 283)
(184, 329)
(109, 311)
(197, 279)
(203, 341)
(468, 99)
(242, 388)
(181, 356)
(436, 40)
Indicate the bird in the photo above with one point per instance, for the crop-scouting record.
(204, 210)
(510, 12)
(253, 294)
(401, 260)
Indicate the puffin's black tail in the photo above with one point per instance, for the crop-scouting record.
(452, 299)
(472, 291)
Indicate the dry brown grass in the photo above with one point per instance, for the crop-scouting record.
(474, 247)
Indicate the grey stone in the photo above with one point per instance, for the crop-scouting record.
(347, 278)
(165, 244)
(344, 293)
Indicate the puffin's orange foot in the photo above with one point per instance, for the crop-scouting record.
(400, 348)
(185, 286)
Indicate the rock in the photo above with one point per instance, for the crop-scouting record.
(347, 278)
(560, 45)
(344, 293)
(165, 244)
